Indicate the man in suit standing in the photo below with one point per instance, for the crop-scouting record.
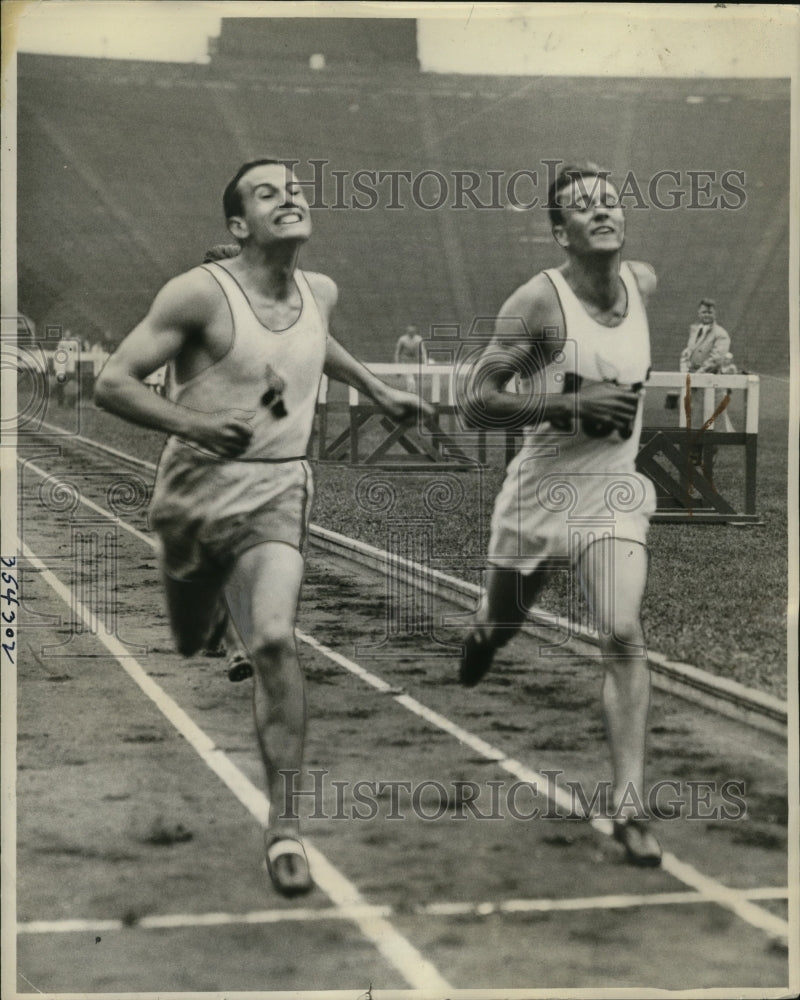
(707, 352)
(708, 342)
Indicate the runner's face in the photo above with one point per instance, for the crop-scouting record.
(593, 218)
(274, 207)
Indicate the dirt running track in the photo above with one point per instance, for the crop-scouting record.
(125, 827)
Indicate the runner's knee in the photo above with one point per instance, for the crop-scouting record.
(272, 640)
(625, 637)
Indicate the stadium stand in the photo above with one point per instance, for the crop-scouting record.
(121, 165)
(348, 42)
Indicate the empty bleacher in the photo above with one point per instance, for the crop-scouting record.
(121, 168)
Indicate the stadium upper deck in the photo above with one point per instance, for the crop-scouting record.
(121, 166)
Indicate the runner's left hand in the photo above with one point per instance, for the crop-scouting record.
(405, 407)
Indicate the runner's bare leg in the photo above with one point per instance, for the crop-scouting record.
(613, 575)
(262, 594)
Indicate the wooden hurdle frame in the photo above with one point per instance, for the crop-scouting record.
(678, 456)
(685, 488)
(436, 446)
(701, 434)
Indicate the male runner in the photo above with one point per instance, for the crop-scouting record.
(247, 341)
(572, 497)
(224, 641)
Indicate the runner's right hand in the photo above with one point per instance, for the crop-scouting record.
(607, 403)
(226, 433)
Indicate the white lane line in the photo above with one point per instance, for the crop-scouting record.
(60, 432)
(88, 503)
(179, 920)
(710, 888)
(456, 909)
(722, 695)
(714, 890)
(400, 953)
(619, 902)
(754, 915)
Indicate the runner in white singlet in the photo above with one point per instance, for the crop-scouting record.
(577, 339)
(247, 342)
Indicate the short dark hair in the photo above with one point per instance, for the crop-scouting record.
(231, 196)
(221, 251)
(708, 302)
(564, 177)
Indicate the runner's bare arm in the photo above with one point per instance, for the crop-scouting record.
(487, 397)
(343, 367)
(528, 330)
(179, 314)
(645, 278)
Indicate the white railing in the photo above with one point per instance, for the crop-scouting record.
(436, 383)
(713, 389)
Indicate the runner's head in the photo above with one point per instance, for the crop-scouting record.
(264, 204)
(585, 211)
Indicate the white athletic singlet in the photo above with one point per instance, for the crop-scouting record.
(570, 485)
(256, 356)
(599, 353)
(208, 510)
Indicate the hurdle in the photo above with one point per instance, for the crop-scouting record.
(680, 457)
(686, 489)
(369, 437)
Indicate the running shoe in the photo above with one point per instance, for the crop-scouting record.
(239, 668)
(640, 845)
(287, 866)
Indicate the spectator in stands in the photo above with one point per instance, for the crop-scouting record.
(248, 340)
(410, 350)
(572, 495)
